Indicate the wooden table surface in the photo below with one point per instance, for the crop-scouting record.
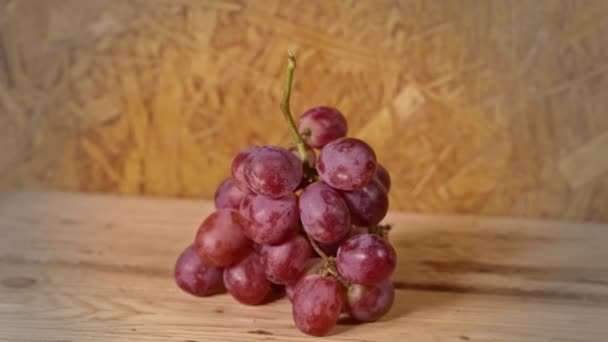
(77, 267)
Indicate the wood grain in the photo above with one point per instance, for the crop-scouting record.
(484, 107)
(99, 268)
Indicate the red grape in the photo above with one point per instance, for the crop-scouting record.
(321, 125)
(324, 213)
(268, 220)
(369, 303)
(272, 171)
(317, 303)
(246, 280)
(228, 195)
(196, 278)
(366, 259)
(346, 164)
(220, 241)
(238, 168)
(383, 177)
(285, 263)
(310, 153)
(367, 205)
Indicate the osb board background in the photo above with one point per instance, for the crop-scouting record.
(491, 107)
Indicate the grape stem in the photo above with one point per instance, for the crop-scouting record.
(330, 265)
(380, 230)
(297, 138)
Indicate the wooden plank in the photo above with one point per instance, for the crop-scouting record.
(77, 267)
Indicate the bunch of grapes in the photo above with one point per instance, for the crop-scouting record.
(289, 218)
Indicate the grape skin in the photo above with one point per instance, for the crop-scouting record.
(366, 259)
(238, 169)
(246, 281)
(219, 241)
(369, 303)
(272, 171)
(367, 205)
(317, 303)
(346, 164)
(196, 278)
(324, 213)
(383, 177)
(268, 220)
(285, 263)
(228, 195)
(321, 125)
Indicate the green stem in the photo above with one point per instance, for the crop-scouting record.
(297, 138)
(330, 266)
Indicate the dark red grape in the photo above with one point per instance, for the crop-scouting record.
(246, 281)
(310, 153)
(272, 171)
(321, 125)
(366, 259)
(367, 205)
(220, 241)
(369, 303)
(285, 263)
(238, 169)
(196, 278)
(324, 213)
(317, 303)
(346, 164)
(383, 177)
(228, 195)
(268, 220)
